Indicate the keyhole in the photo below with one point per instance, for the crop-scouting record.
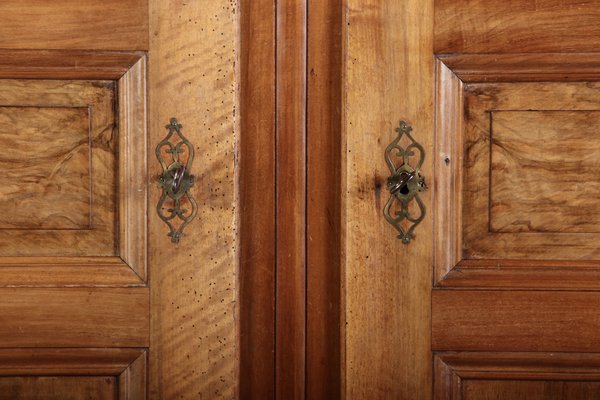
(178, 175)
(404, 189)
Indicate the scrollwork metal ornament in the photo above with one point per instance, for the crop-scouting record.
(405, 183)
(176, 181)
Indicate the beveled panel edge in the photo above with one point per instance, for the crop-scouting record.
(450, 368)
(133, 380)
(448, 161)
(47, 272)
(523, 274)
(530, 67)
(66, 64)
(133, 176)
(520, 365)
(68, 361)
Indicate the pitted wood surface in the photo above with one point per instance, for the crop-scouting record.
(194, 284)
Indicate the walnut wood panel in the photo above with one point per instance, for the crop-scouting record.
(290, 114)
(257, 200)
(192, 76)
(79, 162)
(479, 26)
(127, 267)
(542, 161)
(515, 320)
(389, 76)
(540, 376)
(74, 318)
(455, 268)
(66, 64)
(324, 182)
(48, 189)
(69, 24)
(535, 176)
(58, 388)
(60, 372)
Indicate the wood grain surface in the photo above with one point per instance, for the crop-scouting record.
(58, 388)
(107, 317)
(523, 67)
(42, 361)
(66, 64)
(517, 320)
(389, 77)
(74, 24)
(73, 175)
(257, 199)
(192, 76)
(449, 161)
(324, 208)
(290, 114)
(544, 165)
(531, 112)
(133, 169)
(479, 26)
(451, 270)
(65, 373)
(47, 182)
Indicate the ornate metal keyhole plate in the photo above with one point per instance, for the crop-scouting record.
(176, 181)
(405, 183)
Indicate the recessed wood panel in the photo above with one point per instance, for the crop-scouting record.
(63, 168)
(61, 373)
(516, 376)
(46, 167)
(74, 24)
(544, 171)
(485, 389)
(530, 165)
(516, 162)
(58, 388)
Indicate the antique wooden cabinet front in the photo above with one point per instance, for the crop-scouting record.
(80, 236)
(505, 99)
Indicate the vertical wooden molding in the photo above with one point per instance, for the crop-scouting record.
(257, 199)
(133, 207)
(290, 342)
(324, 127)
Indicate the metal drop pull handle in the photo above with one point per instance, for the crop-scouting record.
(405, 183)
(176, 181)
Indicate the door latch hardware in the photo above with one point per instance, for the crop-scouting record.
(176, 181)
(405, 183)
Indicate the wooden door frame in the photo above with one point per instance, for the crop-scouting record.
(290, 213)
